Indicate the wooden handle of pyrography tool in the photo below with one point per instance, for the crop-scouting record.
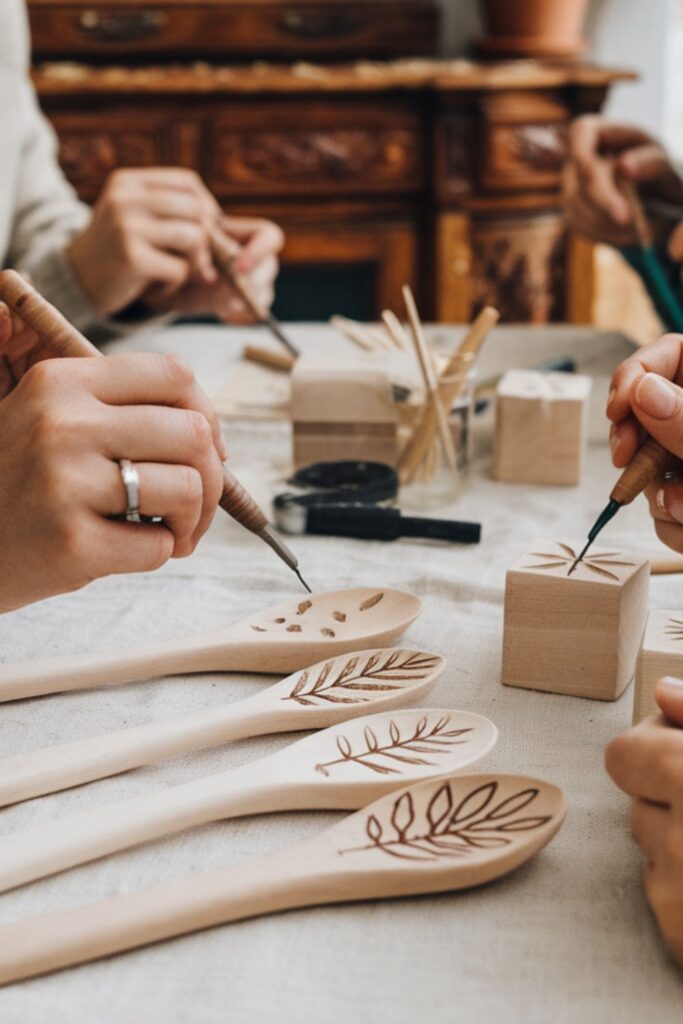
(647, 464)
(240, 505)
(66, 341)
(268, 357)
(47, 322)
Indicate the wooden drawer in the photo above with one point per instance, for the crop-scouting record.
(91, 146)
(523, 146)
(325, 150)
(180, 28)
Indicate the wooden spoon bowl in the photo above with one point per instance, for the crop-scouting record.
(435, 836)
(344, 766)
(331, 691)
(284, 638)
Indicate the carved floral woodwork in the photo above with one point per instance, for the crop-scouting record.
(441, 174)
(519, 267)
(361, 158)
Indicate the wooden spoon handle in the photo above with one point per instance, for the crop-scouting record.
(71, 764)
(259, 886)
(209, 652)
(66, 842)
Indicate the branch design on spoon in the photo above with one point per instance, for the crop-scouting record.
(423, 740)
(599, 563)
(374, 676)
(447, 832)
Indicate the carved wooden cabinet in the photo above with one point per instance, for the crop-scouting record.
(442, 174)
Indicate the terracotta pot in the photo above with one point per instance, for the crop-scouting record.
(533, 27)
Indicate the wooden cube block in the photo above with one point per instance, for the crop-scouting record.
(541, 423)
(661, 654)
(577, 634)
(341, 411)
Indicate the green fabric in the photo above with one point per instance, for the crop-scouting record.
(660, 275)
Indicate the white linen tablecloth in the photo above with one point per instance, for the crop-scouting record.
(568, 938)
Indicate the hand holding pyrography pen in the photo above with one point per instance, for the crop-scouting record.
(644, 400)
(62, 338)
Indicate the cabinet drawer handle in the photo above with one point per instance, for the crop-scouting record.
(120, 26)
(319, 24)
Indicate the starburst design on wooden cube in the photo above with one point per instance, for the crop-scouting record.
(600, 564)
(674, 629)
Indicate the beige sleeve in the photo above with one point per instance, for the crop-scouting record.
(47, 215)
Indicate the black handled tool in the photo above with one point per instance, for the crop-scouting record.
(341, 499)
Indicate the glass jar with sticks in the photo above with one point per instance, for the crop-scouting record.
(436, 456)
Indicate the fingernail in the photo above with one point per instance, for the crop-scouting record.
(671, 683)
(610, 397)
(614, 438)
(656, 396)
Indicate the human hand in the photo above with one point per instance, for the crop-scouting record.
(647, 763)
(646, 396)
(65, 425)
(149, 239)
(599, 153)
(256, 244)
(148, 227)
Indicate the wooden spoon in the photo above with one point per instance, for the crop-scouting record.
(329, 692)
(281, 639)
(434, 836)
(344, 766)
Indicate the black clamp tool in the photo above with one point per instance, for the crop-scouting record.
(342, 499)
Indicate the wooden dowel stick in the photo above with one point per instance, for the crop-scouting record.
(366, 337)
(452, 378)
(664, 564)
(424, 360)
(269, 357)
(395, 330)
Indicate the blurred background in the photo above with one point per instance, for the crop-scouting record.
(417, 141)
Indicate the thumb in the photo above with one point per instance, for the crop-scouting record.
(645, 164)
(669, 694)
(657, 403)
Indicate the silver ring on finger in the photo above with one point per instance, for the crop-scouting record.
(131, 481)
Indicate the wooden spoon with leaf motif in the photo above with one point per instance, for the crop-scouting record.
(329, 692)
(281, 639)
(433, 837)
(343, 766)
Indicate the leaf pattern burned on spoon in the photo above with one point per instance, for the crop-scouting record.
(674, 629)
(359, 678)
(445, 829)
(390, 755)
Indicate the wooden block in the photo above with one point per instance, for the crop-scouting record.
(541, 423)
(577, 634)
(661, 654)
(341, 411)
